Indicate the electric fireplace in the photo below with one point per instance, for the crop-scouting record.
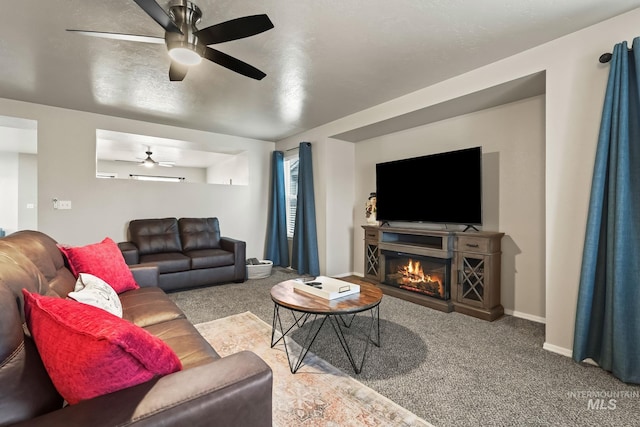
(417, 273)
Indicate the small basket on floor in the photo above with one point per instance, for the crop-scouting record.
(259, 271)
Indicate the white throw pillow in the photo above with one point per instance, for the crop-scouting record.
(94, 291)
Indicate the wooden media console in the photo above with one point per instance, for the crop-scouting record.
(468, 267)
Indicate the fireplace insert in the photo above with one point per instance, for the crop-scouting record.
(417, 273)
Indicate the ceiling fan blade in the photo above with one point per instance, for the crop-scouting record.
(233, 64)
(234, 29)
(120, 36)
(165, 164)
(154, 10)
(177, 71)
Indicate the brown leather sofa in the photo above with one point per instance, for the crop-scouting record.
(210, 391)
(189, 252)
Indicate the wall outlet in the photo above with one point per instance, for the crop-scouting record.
(64, 204)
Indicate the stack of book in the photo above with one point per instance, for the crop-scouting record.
(326, 287)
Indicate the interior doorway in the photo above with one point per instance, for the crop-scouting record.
(18, 174)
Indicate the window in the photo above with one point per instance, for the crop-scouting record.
(291, 163)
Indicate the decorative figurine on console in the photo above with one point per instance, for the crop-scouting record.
(370, 210)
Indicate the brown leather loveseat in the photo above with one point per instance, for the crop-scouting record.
(189, 252)
(209, 390)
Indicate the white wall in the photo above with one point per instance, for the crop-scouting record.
(232, 170)
(337, 166)
(101, 207)
(27, 191)
(575, 85)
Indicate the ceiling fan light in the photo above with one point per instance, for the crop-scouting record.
(185, 56)
(148, 162)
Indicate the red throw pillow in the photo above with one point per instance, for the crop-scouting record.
(89, 352)
(103, 260)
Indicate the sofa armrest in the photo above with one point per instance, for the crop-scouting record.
(145, 275)
(129, 252)
(239, 249)
(233, 391)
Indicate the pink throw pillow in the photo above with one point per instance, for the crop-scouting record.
(103, 260)
(89, 352)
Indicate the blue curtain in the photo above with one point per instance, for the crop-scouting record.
(305, 240)
(277, 245)
(607, 327)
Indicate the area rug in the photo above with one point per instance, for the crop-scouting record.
(319, 394)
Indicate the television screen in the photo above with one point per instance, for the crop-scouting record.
(438, 188)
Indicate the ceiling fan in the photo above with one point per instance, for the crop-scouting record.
(149, 162)
(186, 44)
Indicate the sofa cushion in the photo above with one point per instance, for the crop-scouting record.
(94, 291)
(199, 233)
(103, 260)
(89, 352)
(170, 262)
(186, 342)
(147, 306)
(40, 256)
(210, 258)
(157, 235)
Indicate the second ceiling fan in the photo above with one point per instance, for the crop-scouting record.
(149, 161)
(187, 44)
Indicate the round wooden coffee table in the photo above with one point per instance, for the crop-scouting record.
(339, 311)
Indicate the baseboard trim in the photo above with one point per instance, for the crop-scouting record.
(348, 274)
(513, 313)
(546, 346)
(558, 350)
(525, 316)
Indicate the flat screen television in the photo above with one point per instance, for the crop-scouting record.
(441, 188)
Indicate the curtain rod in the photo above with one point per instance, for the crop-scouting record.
(606, 57)
(296, 148)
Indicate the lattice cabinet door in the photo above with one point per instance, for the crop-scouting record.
(471, 280)
(371, 253)
(477, 275)
(371, 262)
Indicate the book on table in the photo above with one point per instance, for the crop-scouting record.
(326, 287)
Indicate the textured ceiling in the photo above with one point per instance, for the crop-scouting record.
(323, 60)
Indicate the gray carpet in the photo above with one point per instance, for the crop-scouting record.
(449, 368)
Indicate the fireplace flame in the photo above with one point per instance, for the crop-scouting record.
(414, 276)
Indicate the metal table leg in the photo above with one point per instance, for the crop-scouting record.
(294, 364)
(374, 328)
(335, 320)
